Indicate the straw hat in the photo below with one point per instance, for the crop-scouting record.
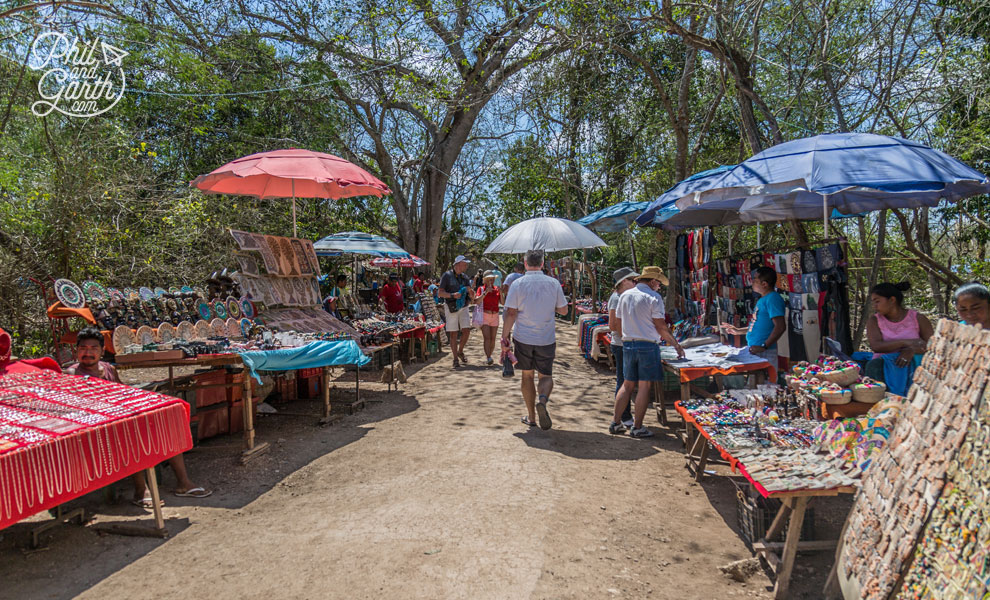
(653, 273)
(489, 274)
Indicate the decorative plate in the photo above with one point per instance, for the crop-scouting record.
(131, 294)
(219, 309)
(159, 292)
(246, 326)
(95, 292)
(233, 329)
(203, 330)
(116, 296)
(186, 289)
(260, 321)
(123, 337)
(204, 310)
(247, 308)
(145, 335)
(174, 290)
(218, 327)
(233, 308)
(166, 333)
(69, 294)
(185, 331)
(146, 293)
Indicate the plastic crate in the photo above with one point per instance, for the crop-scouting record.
(212, 395)
(213, 421)
(308, 387)
(754, 515)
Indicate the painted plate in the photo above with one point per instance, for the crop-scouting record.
(116, 296)
(260, 321)
(131, 294)
(204, 310)
(166, 333)
(159, 292)
(247, 308)
(246, 326)
(146, 293)
(186, 289)
(69, 294)
(95, 292)
(203, 330)
(218, 327)
(173, 290)
(219, 309)
(233, 328)
(185, 331)
(233, 308)
(145, 335)
(123, 336)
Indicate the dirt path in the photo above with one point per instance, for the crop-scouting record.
(437, 491)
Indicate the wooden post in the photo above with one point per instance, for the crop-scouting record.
(325, 383)
(247, 407)
(574, 292)
(782, 587)
(156, 499)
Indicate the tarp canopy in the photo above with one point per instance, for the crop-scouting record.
(357, 242)
(614, 218)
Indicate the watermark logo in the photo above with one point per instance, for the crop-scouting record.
(80, 79)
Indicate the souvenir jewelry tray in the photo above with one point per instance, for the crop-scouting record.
(901, 489)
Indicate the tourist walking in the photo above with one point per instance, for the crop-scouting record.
(455, 289)
(490, 299)
(518, 270)
(529, 322)
(640, 318)
(625, 279)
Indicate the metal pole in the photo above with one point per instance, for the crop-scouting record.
(294, 234)
(825, 211)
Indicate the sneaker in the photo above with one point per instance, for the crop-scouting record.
(640, 432)
(616, 429)
(543, 416)
(628, 424)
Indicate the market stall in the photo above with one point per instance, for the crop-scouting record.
(63, 436)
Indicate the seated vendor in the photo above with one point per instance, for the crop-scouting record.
(89, 351)
(973, 304)
(766, 325)
(897, 335)
(333, 303)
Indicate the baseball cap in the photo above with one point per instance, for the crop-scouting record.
(461, 258)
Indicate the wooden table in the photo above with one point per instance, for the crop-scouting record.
(687, 374)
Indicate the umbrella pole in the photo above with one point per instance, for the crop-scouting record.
(294, 234)
(825, 213)
(758, 243)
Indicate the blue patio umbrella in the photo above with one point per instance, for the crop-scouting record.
(850, 172)
(614, 218)
(356, 242)
(667, 199)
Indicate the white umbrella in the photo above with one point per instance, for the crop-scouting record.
(544, 233)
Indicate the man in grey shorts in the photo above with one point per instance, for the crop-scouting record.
(529, 308)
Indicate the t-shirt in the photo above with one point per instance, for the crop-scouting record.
(638, 308)
(491, 300)
(613, 303)
(391, 294)
(536, 297)
(508, 281)
(108, 370)
(416, 285)
(452, 283)
(767, 307)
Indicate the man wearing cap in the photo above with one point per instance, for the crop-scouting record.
(455, 289)
(391, 294)
(532, 301)
(639, 316)
(625, 279)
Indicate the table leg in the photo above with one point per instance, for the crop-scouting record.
(247, 408)
(156, 499)
(782, 587)
(659, 402)
(702, 460)
(357, 383)
(325, 383)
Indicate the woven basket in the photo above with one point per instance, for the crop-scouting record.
(843, 377)
(842, 397)
(869, 395)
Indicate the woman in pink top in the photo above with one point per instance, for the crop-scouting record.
(893, 328)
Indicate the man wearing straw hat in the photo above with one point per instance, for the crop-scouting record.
(640, 318)
(532, 301)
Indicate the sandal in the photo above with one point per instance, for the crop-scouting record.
(196, 492)
(526, 421)
(147, 502)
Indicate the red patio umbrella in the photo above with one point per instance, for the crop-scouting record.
(291, 173)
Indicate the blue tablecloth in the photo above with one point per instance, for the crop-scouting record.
(314, 354)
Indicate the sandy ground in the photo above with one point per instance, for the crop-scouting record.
(434, 491)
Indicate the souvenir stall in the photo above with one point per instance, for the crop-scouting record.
(62, 437)
(593, 335)
(689, 305)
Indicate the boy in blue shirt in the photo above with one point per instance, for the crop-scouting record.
(767, 323)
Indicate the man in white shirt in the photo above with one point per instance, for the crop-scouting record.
(625, 279)
(533, 299)
(517, 271)
(640, 319)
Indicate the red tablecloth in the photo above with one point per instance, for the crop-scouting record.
(63, 436)
(419, 332)
(691, 373)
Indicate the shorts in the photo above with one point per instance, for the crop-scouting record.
(457, 320)
(536, 358)
(641, 361)
(491, 319)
